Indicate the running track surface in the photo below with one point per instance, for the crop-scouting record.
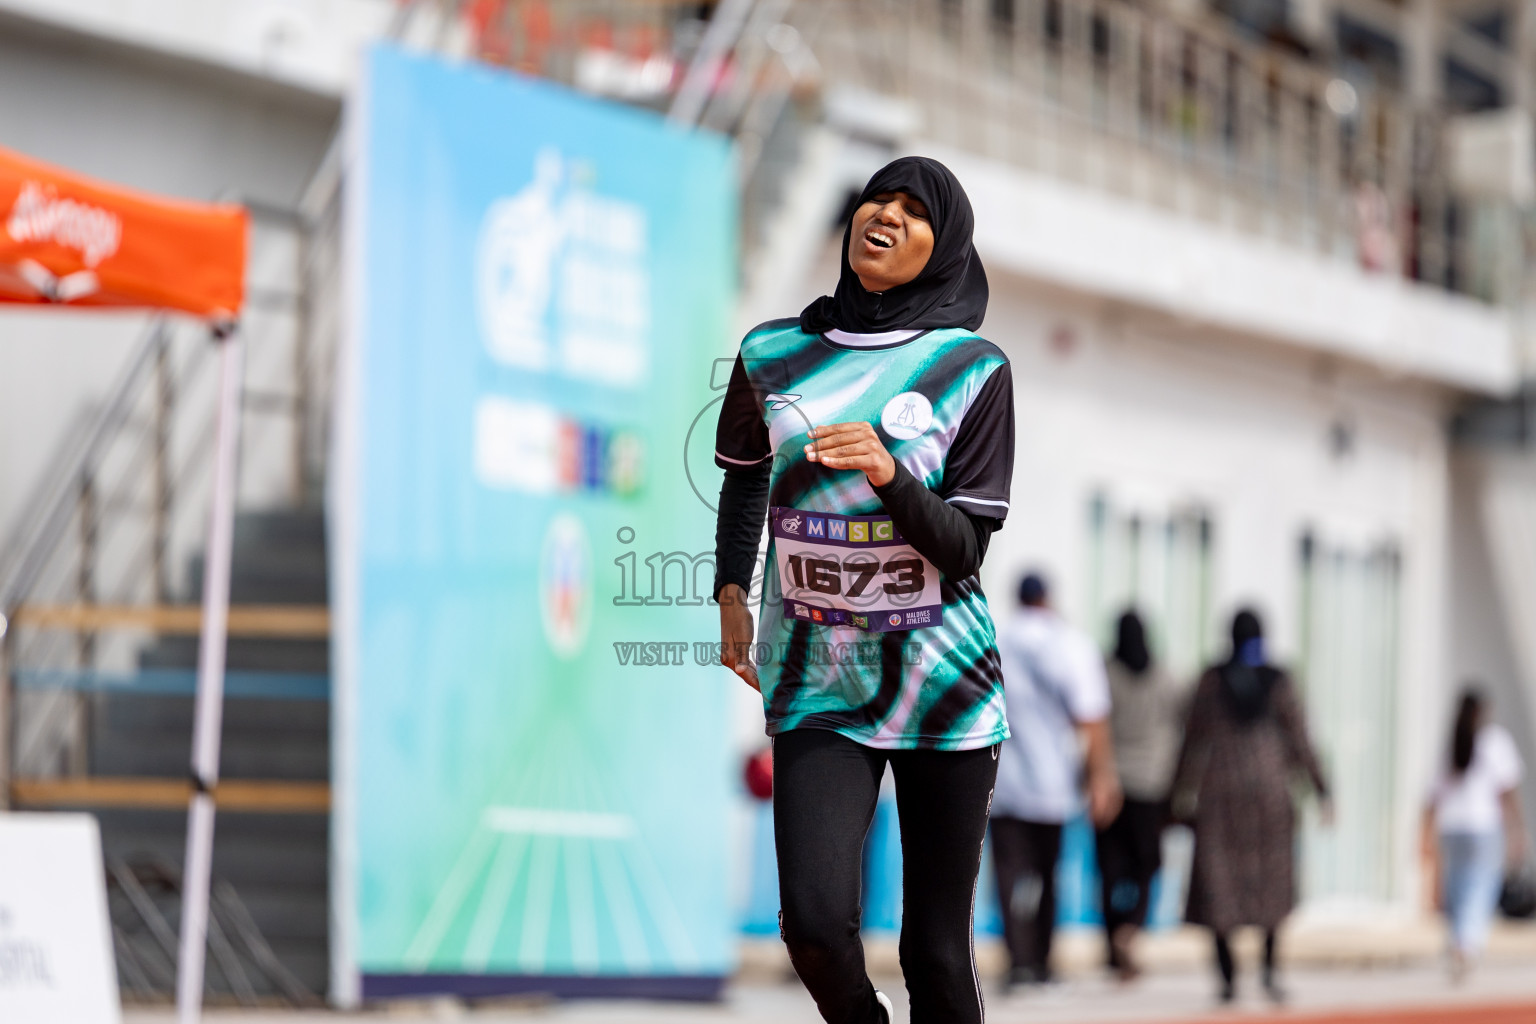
(1496, 1013)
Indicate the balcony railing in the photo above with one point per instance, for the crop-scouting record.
(1190, 116)
(1183, 113)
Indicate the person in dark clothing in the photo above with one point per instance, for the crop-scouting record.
(1244, 743)
(875, 433)
(1146, 722)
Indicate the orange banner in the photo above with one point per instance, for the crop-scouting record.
(68, 239)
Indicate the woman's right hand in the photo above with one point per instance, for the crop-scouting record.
(736, 634)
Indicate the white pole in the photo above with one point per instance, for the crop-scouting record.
(209, 714)
(721, 34)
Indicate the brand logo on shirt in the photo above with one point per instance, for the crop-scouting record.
(801, 609)
(895, 619)
(860, 621)
(777, 401)
(791, 524)
(816, 615)
(906, 416)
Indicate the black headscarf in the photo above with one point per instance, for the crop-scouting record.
(1131, 644)
(1246, 678)
(951, 291)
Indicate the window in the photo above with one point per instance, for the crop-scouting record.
(1348, 674)
(1161, 566)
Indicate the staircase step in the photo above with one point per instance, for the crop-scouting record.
(133, 735)
(136, 714)
(256, 654)
(277, 864)
(303, 527)
(268, 577)
(279, 760)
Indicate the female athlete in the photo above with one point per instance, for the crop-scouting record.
(874, 433)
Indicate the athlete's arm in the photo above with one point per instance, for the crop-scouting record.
(738, 528)
(952, 528)
(955, 541)
(739, 525)
(742, 450)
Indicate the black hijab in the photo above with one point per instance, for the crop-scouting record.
(951, 291)
(1246, 678)
(1131, 644)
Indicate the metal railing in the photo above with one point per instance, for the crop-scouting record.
(1181, 112)
(1187, 115)
(125, 502)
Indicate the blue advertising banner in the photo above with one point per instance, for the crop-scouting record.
(539, 283)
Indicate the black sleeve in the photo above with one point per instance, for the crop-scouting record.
(742, 450)
(739, 525)
(952, 528)
(978, 470)
(741, 436)
(955, 541)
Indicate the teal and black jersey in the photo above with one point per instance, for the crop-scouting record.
(941, 401)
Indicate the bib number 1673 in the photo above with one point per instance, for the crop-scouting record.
(824, 575)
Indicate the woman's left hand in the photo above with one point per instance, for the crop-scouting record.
(852, 446)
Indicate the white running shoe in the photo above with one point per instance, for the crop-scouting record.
(885, 1005)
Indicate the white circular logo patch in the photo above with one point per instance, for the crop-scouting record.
(907, 415)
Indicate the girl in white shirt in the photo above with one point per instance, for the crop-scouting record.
(1474, 813)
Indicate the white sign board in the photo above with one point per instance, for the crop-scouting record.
(56, 964)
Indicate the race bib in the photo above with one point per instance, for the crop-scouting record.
(852, 571)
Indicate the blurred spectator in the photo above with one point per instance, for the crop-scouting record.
(1058, 705)
(1146, 720)
(1474, 812)
(1244, 741)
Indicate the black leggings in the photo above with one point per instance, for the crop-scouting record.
(824, 791)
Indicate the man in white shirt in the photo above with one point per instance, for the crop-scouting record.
(1058, 711)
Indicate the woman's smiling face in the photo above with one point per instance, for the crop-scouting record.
(891, 241)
